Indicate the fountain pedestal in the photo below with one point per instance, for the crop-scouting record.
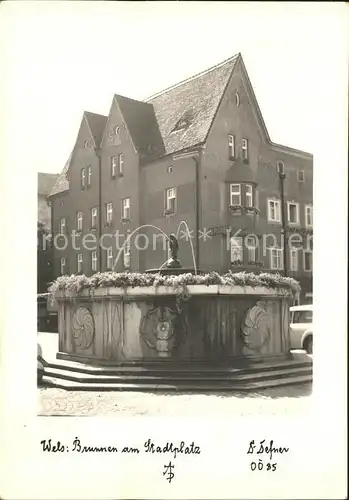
(139, 324)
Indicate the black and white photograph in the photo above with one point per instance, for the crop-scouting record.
(178, 158)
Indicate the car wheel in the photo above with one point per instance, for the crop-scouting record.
(309, 345)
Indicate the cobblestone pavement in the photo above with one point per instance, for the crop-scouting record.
(279, 401)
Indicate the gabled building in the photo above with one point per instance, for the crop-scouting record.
(197, 152)
(44, 250)
(45, 185)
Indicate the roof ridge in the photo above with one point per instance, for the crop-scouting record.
(96, 114)
(197, 75)
(131, 99)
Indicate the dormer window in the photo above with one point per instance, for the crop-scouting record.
(184, 122)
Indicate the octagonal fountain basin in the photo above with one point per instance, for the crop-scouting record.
(214, 323)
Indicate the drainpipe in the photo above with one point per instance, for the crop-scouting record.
(194, 155)
(99, 156)
(197, 208)
(282, 177)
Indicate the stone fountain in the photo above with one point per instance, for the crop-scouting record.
(197, 322)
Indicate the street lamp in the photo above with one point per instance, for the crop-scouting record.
(282, 175)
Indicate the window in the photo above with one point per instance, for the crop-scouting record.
(244, 147)
(114, 135)
(89, 176)
(249, 195)
(79, 221)
(80, 260)
(302, 317)
(94, 261)
(231, 145)
(237, 99)
(308, 216)
(121, 164)
(236, 250)
(308, 260)
(114, 166)
(276, 258)
(294, 259)
(171, 200)
(293, 212)
(62, 226)
(235, 194)
(251, 244)
(83, 178)
(94, 217)
(109, 212)
(169, 169)
(127, 255)
(126, 209)
(62, 266)
(87, 145)
(274, 213)
(110, 258)
(301, 176)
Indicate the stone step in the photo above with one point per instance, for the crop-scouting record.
(191, 387)
(178, 378)
(166, 369)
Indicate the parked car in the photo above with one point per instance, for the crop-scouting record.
(301, 327)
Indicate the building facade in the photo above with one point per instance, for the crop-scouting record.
(45, 185)
(45, 270)
(197, 157)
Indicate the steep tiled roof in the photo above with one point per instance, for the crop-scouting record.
(45, 182)
(185, 111)
(142, 126)
(62, 183)
(97, 124)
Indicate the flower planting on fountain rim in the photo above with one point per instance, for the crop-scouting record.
(77, 283)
